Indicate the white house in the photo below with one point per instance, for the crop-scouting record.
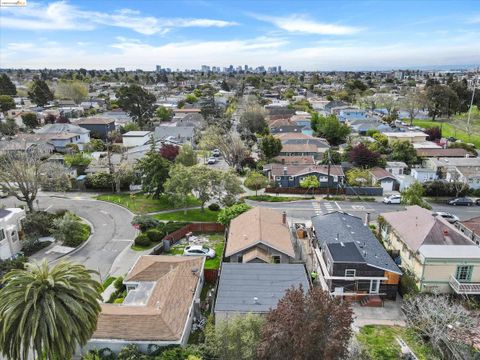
(10, 230)
(136, 138)
(396, 167)
(423, 175)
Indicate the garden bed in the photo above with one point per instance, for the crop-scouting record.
(142, 204)
(380, 342)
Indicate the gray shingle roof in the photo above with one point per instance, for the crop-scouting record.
(4, 213)
(241, 283)
(338, 227)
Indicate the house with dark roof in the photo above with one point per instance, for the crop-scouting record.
(350, 261)
(98, 126)
(162, 299)
(290, 176)
(255, 288)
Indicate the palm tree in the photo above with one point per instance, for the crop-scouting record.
(47, 312)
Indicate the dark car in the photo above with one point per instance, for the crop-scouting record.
(477, 202)
(461, 202)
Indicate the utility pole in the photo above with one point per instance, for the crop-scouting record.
(328, 173)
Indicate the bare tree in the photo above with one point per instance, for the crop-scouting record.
(20, 175)
(230, 145)
(412, 103)
(459, 182)
(388, 101)
(444, 323)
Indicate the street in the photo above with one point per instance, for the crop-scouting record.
(305, 209)
(111, 233)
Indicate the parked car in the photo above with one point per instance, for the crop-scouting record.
(452, 219)
(477, 202)
(3, 194)
(211, 160)
(216, 152)
(463, 201)
(392, 199)
(199, 250)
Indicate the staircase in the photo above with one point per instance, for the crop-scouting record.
(372, 301)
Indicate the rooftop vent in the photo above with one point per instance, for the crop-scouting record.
(445, 232)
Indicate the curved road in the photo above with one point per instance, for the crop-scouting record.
(112, 229)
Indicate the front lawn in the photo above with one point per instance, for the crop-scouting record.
(191, 215)
(270, 198)
(449, 129)
(381, 344)
(141, 204)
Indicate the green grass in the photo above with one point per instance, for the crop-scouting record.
(191, 215)
(141, 204)
(270, 198)
(380, 342)
(448, 129)
(143, 248)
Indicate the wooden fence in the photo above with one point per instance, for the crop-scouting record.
(175, 236)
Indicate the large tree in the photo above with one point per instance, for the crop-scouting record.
(307, 325)
(163, 113)
(73, 90)
(230, 145)
(40, 93)
(7, 87)
(270, 146)
(6, 103)
(47, 311)
(413, 102)
(404, 151)
(30, 120)
(413, 195)
(441, 100)
(21, 175)
(330, 128)
(362, 156)
(153, 168)
(253, 121)
(137, 102)
(186, 156)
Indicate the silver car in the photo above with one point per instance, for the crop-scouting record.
(199, 250)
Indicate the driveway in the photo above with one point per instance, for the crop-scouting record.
(112, 229)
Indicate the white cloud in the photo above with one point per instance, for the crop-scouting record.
(133, 54)
(304, 25)
(63, 16)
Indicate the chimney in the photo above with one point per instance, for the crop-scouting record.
(285, 170)
(367, 219)
(283, 161)
(284, 217)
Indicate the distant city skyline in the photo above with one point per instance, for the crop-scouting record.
(323, 36)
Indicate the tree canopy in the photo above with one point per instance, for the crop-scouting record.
(137, 102)
(330, 128)
(154, 172)
(270, 146)
(6, 103)
(74, 90)
(255, 181)
(40, 93)
(7, 87)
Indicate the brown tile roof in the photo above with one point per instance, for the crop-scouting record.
(165, 313)
(95, 121)
(442, 152)
(280, 122)
(417, 226)
(312, 148)
(289, 160)
(380, 173)
(288, 136)
(259, 225)
(293, 170)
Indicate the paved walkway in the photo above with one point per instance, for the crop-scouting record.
(390, 314)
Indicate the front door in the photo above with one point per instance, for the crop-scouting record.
(374, 286)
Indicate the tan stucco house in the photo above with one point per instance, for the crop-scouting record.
(435, 252)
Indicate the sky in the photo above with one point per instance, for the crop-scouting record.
(298, 35)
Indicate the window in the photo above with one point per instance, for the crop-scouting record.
(464, 273)
(323, 178)
(350, 272)
(240, 258)
(290, 178)
(279, 178)
(276, 259)
(2, 234)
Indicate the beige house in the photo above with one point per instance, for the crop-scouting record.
(162, 300)
(259, 235)
(435, 252)
(410, 136)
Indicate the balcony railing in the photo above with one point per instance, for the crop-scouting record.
(464, 287)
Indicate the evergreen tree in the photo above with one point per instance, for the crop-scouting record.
(40, 93)
(7, 87)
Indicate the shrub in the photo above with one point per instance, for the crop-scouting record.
(99, 181)
(172, 226)
(155, 235)
(145, 222)
(118, 300)
(38, 223)
(142, 240)
(118, 283)
(70, 230)
(214, 207)
(408, 285)
(229, 213)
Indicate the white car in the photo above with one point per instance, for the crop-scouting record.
(392, 199)
(199, 250)
(211, 160)
(216, 152)
(452, 219)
